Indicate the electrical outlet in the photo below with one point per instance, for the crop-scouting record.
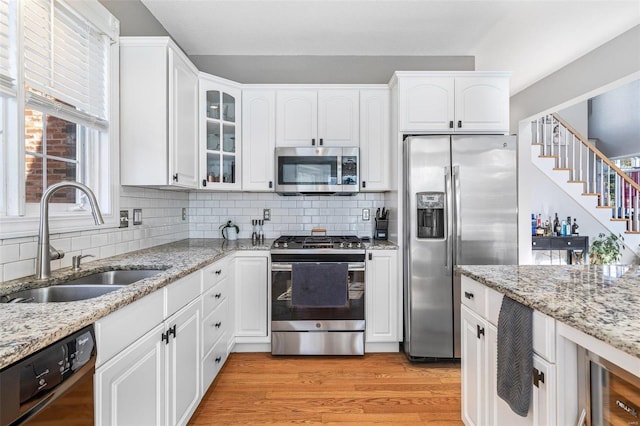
(184, 213)
(124, 218)
(266, 214)
(365, 215)
(137, 216)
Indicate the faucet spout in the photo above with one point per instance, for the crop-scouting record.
(45, 251)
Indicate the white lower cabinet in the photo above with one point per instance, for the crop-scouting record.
(156, 380)
(252, 297)
(382, 313)
(481, 404)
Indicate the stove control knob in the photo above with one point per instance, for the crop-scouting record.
(341, 245)
(350, 245)
(285, 245)
(359, 245)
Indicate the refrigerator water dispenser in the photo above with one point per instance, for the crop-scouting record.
(430, 206)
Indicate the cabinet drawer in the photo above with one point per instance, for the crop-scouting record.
(123, 327)
(182, 292)
(568, 243)
(539, 243)
(214, 326)
(213, 362)
(473, 295)
(214, 297)
(214, 273)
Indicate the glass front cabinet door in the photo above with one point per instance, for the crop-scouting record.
(220, 134)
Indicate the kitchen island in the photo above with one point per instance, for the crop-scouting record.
(578, 310)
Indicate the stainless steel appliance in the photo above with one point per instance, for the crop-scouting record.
(326, 170)
(31, 389)
(317, 295)
(609, 395)
(461, 208)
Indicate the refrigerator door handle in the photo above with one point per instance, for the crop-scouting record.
(449, 223)
(457, 223)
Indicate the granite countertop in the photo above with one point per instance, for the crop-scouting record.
(28, 327)
(381, 245)
(601, 301)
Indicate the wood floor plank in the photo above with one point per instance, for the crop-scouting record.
(260, 389)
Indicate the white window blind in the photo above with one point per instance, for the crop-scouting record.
(65, 58)
(7, 46)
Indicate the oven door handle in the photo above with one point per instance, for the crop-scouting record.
(280, 267)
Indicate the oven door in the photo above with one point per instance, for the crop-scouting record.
(287, 317)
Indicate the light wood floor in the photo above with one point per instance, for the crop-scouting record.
(259, 388)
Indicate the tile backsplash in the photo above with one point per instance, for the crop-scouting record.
(206, 211)
(161, 223)
(294, 215)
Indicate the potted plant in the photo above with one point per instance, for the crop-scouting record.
(232, 230)
(606, 250)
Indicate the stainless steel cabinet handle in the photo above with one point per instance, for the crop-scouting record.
(479, 331)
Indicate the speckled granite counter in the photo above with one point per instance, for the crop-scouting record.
(25, 328)
(381, 245)
(601, 301)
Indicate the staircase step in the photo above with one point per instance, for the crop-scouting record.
(547, 156)
(560, 169)
(619, 219)
(590, 194)
(537, 144)
(577, 181)
(632, 232)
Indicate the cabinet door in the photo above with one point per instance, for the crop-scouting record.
(296, 117)
(183, 118)
(251, 285)
(473, 364)
(482, 104)
(220, 109)
(381, 296)
(183, 364)
(375, 143)
(426, 103)
(338, 118)
(544, 393)
(130, 388)
(258, 139)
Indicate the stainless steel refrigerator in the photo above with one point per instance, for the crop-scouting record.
(461, 209)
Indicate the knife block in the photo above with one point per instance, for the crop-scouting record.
(381, 232)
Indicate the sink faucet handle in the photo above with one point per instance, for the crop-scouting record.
(75, 260)
(55, 254)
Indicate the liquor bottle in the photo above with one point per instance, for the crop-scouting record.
(534, 224)
(547, 227)
(574, 227)
(557, 228)
(564, 231)
(539, 227)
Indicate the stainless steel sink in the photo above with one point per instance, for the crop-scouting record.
(60, 293)
(82, 288)
(114, 277)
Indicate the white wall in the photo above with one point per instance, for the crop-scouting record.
(161, 223)
(293, 215)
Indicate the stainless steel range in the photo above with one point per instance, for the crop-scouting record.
(317, 295)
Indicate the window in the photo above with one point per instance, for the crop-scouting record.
(66, 122)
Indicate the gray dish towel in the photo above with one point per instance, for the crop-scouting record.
(319, 285)
(515, 355)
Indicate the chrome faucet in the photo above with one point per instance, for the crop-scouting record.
(46, 253)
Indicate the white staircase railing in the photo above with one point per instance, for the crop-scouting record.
(587, 165)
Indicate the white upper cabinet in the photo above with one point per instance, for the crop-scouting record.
(375, 143)
(258, 139)
(456, 102)
(220, 118)
(326, 117)
(158, 109)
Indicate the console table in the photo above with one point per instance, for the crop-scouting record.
(577, 247)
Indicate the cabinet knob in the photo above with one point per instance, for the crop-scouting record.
(270, 184)
(534, 243)
(459, 124)
(370, 256)
(218, 295)
(321, 143)
(218, 325)
(219, 271)
(364, 184)
(468, 295)
(538, 376)
(204, 182)
(218, 359)
(479, 331)
(175, 177)
(313, 142)
(568, 243)
(451, 124)
(172, 331)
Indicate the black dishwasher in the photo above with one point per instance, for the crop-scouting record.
(32, 384)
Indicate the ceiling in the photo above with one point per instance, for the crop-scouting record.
(531, 38)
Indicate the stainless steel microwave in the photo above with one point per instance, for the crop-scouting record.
(317, 170)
